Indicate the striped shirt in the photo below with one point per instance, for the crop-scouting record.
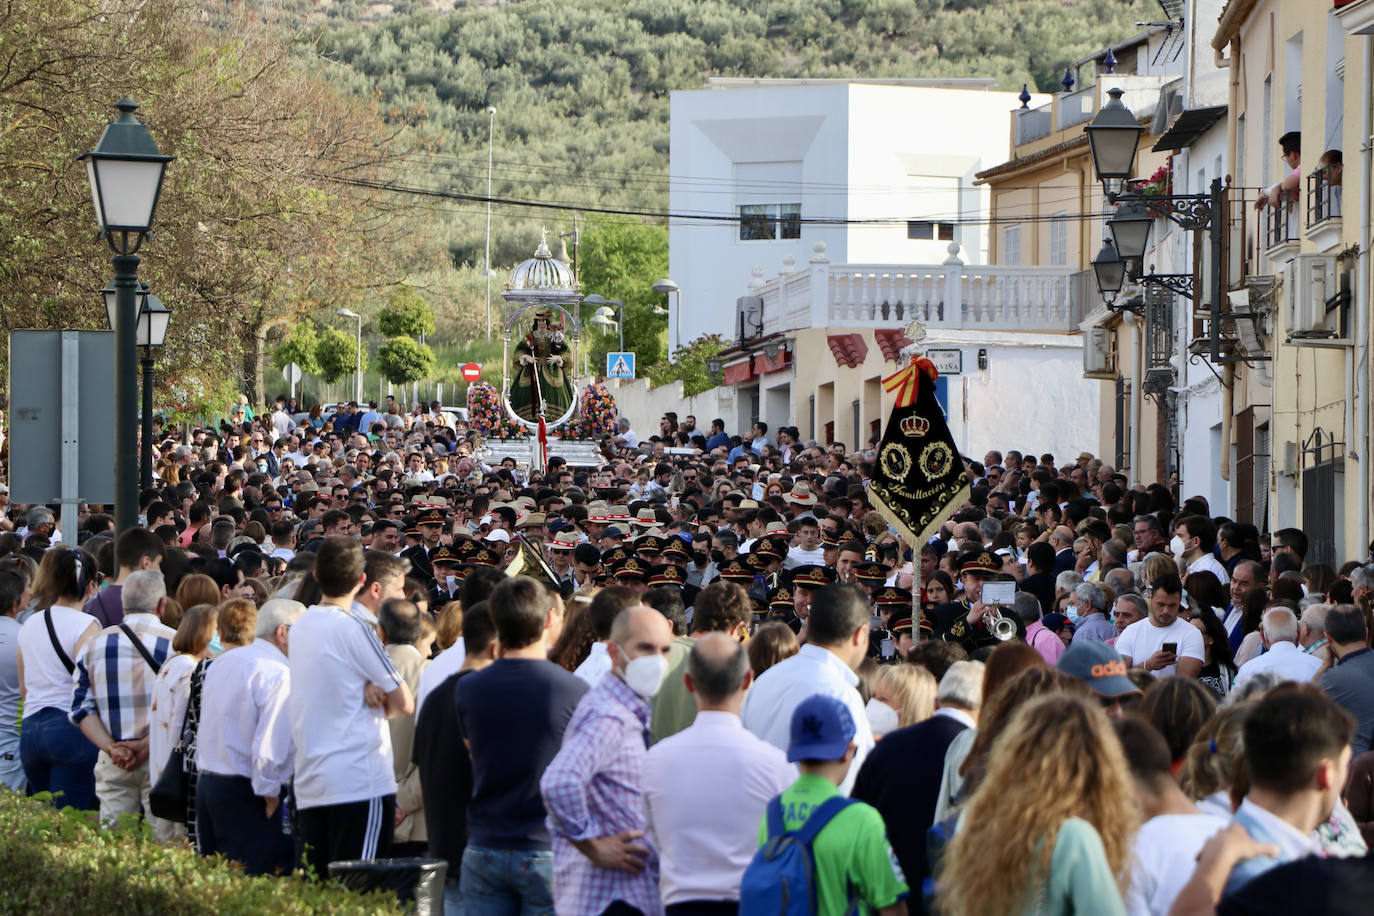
(594, 788)
(115, 682)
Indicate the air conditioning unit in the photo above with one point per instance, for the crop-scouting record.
(1098, 361)
(750, 317)
(1309, 281)
(1251, 323)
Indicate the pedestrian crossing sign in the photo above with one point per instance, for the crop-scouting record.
(620, 365)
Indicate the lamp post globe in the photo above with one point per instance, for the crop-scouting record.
(1130, 228)
(125, 171)
(1109, 269)
(1113, 136)
(153, 320)
(110, 296)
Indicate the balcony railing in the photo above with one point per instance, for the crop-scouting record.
(1323, 197)
(1032, 123)
(1066, 110)
(1280, 227)
(951, 295)
(1076, 107)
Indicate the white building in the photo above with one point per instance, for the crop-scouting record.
(801, 161)
(844, 211)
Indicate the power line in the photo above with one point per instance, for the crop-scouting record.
(395, 188)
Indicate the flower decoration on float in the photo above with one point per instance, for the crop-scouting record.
(488, 416)
(596, 416)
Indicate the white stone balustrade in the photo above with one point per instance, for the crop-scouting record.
(951, 295)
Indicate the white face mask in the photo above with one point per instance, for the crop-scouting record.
(645, 674)
(1176, 546)
(881, 717)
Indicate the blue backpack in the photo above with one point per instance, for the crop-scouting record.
(781, 878)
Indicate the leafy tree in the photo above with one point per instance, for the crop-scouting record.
(299, 347)
(336, 353)
(689, 365)
(407, 314)
(402, 360)
(256, 226)
(622, 260)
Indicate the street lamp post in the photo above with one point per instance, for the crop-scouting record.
(602, 317)
(358, 366)
(486, 272)
(666, 285)
(153, 318)
(605, 316)
(125, 171)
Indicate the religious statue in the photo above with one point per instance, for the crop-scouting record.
(543, 383)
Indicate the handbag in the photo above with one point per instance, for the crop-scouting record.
(169, 797)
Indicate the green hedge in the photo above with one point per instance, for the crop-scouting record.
(61, 862)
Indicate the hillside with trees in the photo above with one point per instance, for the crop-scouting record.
(581, 87)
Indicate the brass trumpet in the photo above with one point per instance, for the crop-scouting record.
(1002, 628)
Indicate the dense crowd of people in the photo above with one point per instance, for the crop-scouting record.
(703, 677)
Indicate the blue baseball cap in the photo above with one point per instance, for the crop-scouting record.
(822, 729)
(1099, 666)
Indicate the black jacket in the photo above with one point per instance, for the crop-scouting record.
(901, 778)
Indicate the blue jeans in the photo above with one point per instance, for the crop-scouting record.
(11, 767)
(453, 897)
(507, 882)
(58, 759)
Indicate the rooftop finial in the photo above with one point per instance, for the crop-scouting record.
(1068, 80)
(1025, 96)
(1109, 61)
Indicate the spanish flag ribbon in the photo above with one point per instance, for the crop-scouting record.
(907, 382)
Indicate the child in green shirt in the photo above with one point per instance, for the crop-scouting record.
(853, 861)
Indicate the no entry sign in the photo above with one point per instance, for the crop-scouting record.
(471, 372)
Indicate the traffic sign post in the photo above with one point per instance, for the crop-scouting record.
(472, 372)
(60, 397)
(620, 365)
(291, 374)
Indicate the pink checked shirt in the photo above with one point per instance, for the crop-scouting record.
(594, 788)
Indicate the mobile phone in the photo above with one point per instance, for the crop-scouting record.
(1170, 647)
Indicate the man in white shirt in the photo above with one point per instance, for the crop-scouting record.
(282, 424)
(243, 748)
(1283, 656)
(1167, 845)
(1198, 536)
(704, 848)
(343, 689)
(386, 579)
(837, 643)
(605, 607)
(807, 551)
(1163, 643)
(626, 438)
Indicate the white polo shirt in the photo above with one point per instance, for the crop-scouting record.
(769, 704)
(343, 746)
(704, 848)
